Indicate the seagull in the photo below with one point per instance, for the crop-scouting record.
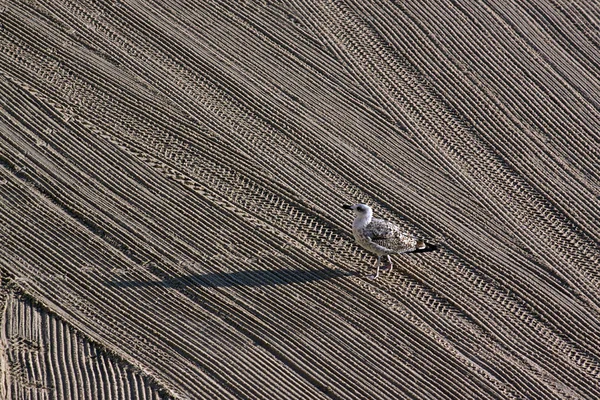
(382, 237)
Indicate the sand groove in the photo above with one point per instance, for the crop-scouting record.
(171, 176)
(47, 359)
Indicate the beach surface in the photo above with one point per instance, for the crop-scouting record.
(171, 183)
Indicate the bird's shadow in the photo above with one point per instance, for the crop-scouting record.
(255, 278)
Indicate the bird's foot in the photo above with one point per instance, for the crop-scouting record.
(374, 276)
(387, 267)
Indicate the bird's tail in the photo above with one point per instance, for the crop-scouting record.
(422, 247)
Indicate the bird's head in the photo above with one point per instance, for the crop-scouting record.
(359, 209)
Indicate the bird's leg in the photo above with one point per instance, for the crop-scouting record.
(378, 265)
(388, 266)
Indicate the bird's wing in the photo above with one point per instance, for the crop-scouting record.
(390, 236)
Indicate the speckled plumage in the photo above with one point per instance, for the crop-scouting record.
(382, 237)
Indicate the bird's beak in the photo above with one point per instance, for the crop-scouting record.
(347, 207)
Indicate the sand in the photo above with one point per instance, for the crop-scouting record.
(171, 182)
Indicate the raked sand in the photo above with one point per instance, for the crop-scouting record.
(171, 182)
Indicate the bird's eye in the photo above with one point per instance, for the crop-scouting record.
(360, 209)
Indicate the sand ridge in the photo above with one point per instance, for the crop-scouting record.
(172, 176)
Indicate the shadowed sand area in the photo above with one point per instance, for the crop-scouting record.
(240, 278)
(171, 182)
